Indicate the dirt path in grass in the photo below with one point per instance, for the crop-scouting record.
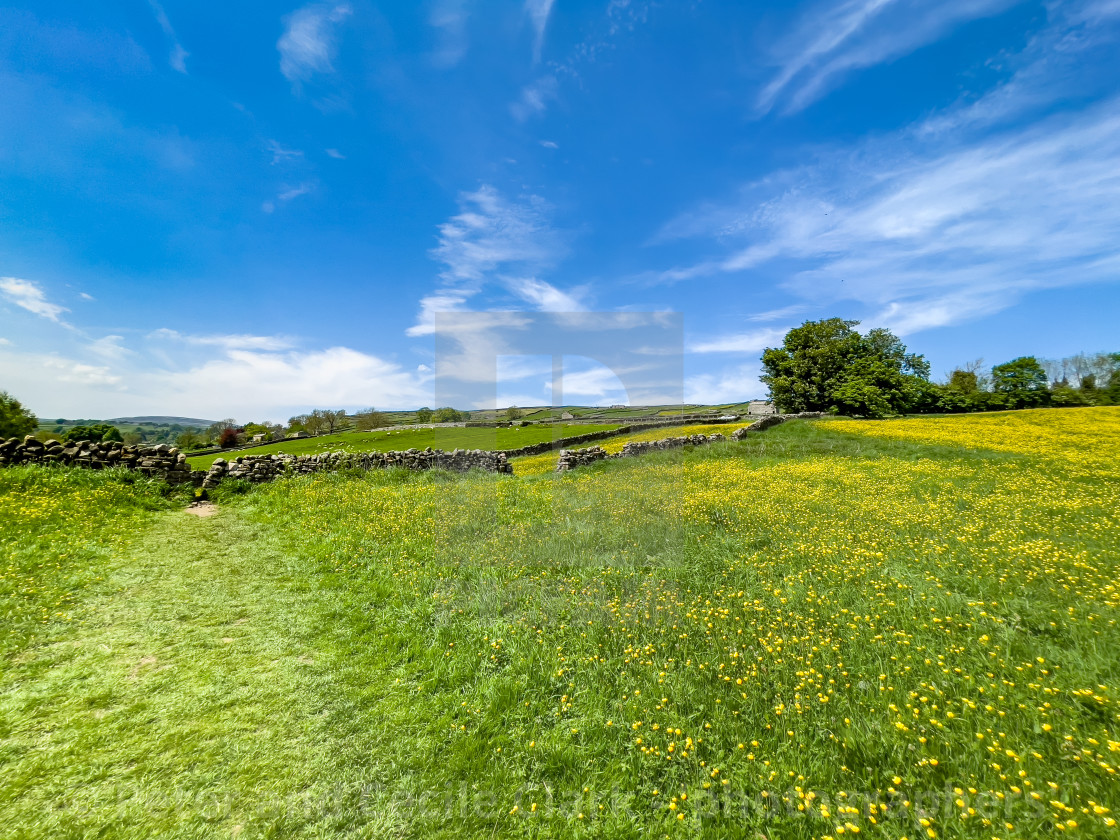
(187, 698)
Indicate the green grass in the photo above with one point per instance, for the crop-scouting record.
(387, 440)
(415, 655)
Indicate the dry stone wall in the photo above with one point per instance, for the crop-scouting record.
(572, 458)
(259, 468)
(168, 463)
(159, 461)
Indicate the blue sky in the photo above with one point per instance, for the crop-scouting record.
(257, 209)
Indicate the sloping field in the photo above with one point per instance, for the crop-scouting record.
(546, 462)
(895, 629)
(387, 440)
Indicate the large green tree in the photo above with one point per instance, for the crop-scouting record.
(830, 366)
(15, 420)
(1022, 382)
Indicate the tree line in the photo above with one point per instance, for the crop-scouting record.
(830, 366)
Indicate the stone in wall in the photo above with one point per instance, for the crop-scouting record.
(571, 458)
(261, 468)
(159, 461)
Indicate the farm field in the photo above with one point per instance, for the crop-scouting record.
(903, 628)
(386, 440)
(546, 462)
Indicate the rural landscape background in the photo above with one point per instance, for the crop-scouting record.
(560, 419)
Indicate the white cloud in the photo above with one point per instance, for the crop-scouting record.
(110, 347)
(280, 154)
(534, 98)
(30, 296)
(178, 56)
(85, 296)
(544, 296)
(748, 342)
(307, 47)
(5, 343)
(734, 383)
(538, 12)
(226, 342)
(549, 144)
(336, 154)
(489, 240)
(490, 232)
(295, 192)
(225, 381)
(444, 301)
(594, 385)
(927, 230)
(449, 19)
(835, 38)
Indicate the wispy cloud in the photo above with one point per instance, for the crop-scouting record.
(746, 342)
(538, 12)
(934, 240)
(30, 296)
(534, 98)
(955, 217)
(295, 192)
(236, 341)
(497, 241)
(308, 47)
(178, 56)
(110, 347)
(544, 296)
(335, 153)
(836, 38)
(491, 232)
(449, 19)
(281, 154)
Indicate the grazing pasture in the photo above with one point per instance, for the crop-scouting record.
(388, 440)
(905, 628)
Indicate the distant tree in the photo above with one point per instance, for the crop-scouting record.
(133, 438)
(229, 437)
(424, 415)
(214, 431)
(1088, 383)
(334, 420)
(829, 366)
(1022, 382)
(1111, 393)
(1063, 396)
(963, 382)
(370, 418)
(15, 420)
(513, 413)
(314, 422)
(98, 432)
(189, 439)
(448, 415)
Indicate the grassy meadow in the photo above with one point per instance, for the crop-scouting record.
(905, 628)
(387, 440)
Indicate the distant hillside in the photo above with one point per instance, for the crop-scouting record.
(182, 421)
